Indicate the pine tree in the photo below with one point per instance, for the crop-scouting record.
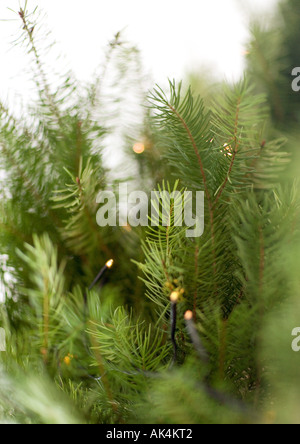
(177, 329)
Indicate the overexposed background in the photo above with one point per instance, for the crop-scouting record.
(174, 36)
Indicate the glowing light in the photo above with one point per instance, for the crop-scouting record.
(188, 315)
(138, 148)
(174, 296)
(109, 263)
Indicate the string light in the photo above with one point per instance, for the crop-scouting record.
(196, 340)
(174, 296)
(101, 273)
(174, 299)
(188, 315)
(138, 148)
(109, 263)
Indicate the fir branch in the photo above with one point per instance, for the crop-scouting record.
(45, 86)
(192, 140)
(22, 174)
(223, 345)
(196, 277)
(103, 373)
(79, 198)
(186, 111)
(268, 76)
(261, 259)
(210, 206)
(234, 153)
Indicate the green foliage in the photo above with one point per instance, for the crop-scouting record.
(272, 55)
(79, 199)
(167, 396)
(115, 352)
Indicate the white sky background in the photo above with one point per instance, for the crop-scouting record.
(174, 36)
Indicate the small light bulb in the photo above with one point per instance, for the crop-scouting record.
(138, 148)
(109, 263)
(188, 315)
(174, 296)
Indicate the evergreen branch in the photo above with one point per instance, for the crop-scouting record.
(22, 174)
(222, 353)
(95, 87)
(79, 198)
(91, 222)
(194, 145)
(187, 111)
(269, 78)
(234, 153)
(29, 184)
(210, 206)
(261, 259)
(196, 277)
(45, 87)
(46, 310)
(48, 281)
(229, 402)
(101, 367)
